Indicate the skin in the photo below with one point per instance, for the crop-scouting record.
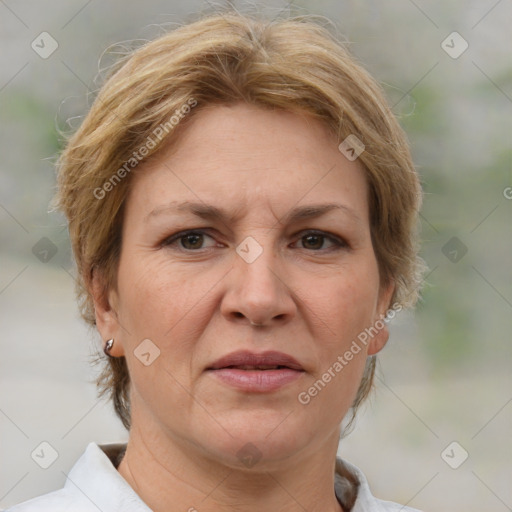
(195, 299)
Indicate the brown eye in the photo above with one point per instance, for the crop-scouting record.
(188, 240)
(315, 240)
(192, 241)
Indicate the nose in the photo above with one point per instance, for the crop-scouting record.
(257, 291)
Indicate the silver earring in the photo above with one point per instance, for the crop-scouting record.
(108, 347)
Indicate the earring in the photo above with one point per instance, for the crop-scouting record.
(108, 347)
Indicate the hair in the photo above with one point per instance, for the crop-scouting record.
(292, 64)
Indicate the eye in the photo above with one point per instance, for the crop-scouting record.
(193, 241)
(314, 240)
(190, 240)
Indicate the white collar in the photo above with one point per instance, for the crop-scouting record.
(98, 481)
(95, 484)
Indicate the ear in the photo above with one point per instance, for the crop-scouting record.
(105, 310)
(380, 338)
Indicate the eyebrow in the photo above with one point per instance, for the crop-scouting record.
(210, 212)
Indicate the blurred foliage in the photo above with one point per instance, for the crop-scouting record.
(38, 121)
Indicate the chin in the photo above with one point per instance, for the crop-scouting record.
(260, 440)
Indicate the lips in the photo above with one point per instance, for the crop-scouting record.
(246, 360)
(248, 372)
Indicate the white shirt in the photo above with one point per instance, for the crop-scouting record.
(94, 484)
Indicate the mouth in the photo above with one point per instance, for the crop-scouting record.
(252, 372)
(246, 360)
(258, 367)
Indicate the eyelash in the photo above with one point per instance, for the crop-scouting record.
(338, 242)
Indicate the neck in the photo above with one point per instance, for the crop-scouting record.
(169, 475)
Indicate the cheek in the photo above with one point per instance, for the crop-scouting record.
(348, 307)
(348, 303)
(154, 305)
(166, 305)
(152, 296)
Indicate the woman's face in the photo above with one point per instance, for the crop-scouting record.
(184, 303)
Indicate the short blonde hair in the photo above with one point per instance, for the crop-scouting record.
(293, 64)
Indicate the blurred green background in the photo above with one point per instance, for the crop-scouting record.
(444, 376)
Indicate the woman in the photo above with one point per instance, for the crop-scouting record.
(242, 208)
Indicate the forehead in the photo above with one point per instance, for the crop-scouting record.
(243, 156)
